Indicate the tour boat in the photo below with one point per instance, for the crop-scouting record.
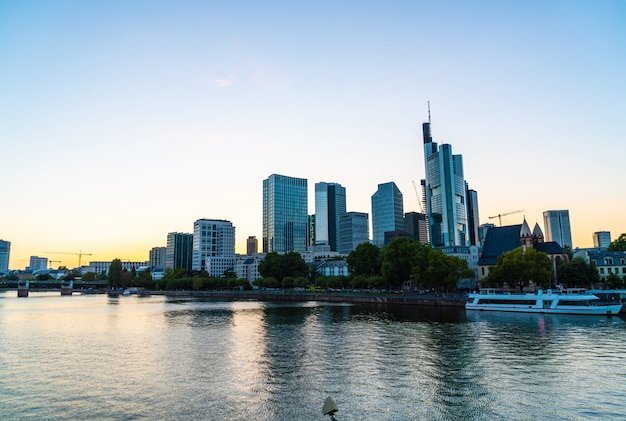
(559, 302)
(67, 287)
(22, 289)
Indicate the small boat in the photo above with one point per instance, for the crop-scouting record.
(549, 301)
(67, 287)
(22, 288)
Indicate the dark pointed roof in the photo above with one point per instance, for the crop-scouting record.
(498, 241)
(551, 247)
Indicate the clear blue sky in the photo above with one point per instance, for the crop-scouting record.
(121, 121)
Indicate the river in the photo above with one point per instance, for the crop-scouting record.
(160, 358)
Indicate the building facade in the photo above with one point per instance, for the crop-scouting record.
(557, 226)
(446, 194)
(252, 245)
(601, 239)
(5, 254)
(285, 214)
(38, 263)
(330, 204)
(213, 246)
(415, 225)
(473, 220)
(178, 253)
(353, 230)
(157, 256)
(387, 212)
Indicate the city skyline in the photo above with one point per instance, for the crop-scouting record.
(121, 123)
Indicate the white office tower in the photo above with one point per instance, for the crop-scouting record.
(213, 246)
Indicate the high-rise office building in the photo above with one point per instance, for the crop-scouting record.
(38, 263)
(557, 227)
(213, 246)
(330, 204)
(285, 214)
(5, 254)
(446, 193)
(415, 225)
(601, 239)
(157, 256)
(353, 230)
(472, 217)
(387, 212)
(252, 245)
(178, 253)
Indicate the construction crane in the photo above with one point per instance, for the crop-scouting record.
(500, 215)
(53, 261)
(418, 196)
(80, 254)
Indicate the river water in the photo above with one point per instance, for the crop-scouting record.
(158, 358)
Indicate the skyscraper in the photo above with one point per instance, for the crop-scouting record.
(5, 254)
(178, 253)
(472, 217)
(387, 212)
(446, 193)
(213, 246)
(415, 225)
(330, 204)
(353, 230)
(285, 214)
(557, 227)
(252, 245)
(38, 263)
(157, 256)
(601, 239)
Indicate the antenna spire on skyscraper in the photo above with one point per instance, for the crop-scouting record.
(429, 111)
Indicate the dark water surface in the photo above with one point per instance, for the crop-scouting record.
(157, 358)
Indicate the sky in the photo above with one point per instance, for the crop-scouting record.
(121, 121)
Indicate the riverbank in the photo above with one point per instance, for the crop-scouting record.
(454, 300)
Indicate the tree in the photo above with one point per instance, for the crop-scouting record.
(397, 260)
(90, 277)
(115, 273)
(613, 281)
(364, 260)
(619, 244)
(280, 265)
(518, 268)
(577, 273)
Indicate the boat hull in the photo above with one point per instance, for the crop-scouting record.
(595, 310)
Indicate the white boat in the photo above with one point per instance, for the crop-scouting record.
(549, 301)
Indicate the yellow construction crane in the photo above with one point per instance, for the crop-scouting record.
(80, 254)
(419, 201)
(500, 215)
(53, 261)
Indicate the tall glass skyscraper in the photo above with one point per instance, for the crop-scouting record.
(601, 239)
(353, 230)
(330, 204)
(5, 253)
(557, 227)
(178, 253)
(285, 214)
(387, 212)
(446, 195)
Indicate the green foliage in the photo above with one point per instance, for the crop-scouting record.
(577, 273)
(301, 282)
(397, 260)
(288, 282)
(619, 244)
(279, 266)
(43, 277)
(364, 260)
(518, 268)
(614, 281)
(115, 273)
(90, 277)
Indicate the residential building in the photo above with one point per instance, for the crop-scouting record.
(606, 262)
(247, 267)
(213, 246)
(416, 226)
(178, 253)
(5, 254)
(387, 212)
(285, 214)
(353, 230)
(557, 227)
(252, 245)
(38, 263)
(157, 256)
(601, 239)
(446, 194)
(330, 204)
(102, 267)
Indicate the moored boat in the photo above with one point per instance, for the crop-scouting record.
(67, 287)
(549, 301)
